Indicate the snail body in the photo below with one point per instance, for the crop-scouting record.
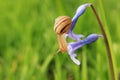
(61, 27)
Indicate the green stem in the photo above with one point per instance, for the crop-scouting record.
(106, 43)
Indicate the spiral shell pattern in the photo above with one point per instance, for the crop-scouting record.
(62, 24)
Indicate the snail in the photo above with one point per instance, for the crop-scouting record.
(61, 27)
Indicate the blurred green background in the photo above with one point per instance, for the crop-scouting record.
(27, 40)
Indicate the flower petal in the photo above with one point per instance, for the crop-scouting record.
(73, 55)
(81, 9)
(75, 60)
(92, 38)
(71, 49)
(76, 45)
(75, 36)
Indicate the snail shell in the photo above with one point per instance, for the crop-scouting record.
(62, 24)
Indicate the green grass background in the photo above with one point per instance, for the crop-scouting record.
(27, 40)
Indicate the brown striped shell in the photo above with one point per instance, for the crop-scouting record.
(62, 24)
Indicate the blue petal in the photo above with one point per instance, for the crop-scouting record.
(91, 38)
(75, 36)
(73, 55)
(71, 50)
(76, 45)
(81, 9)
(75, 60)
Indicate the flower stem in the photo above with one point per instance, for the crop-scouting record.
(112, 73)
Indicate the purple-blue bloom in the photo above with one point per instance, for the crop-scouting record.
(72, 46)
(76, 45)
(81, 9)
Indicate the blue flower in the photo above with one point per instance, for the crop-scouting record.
(81, 9)
(72, 46)
(76, 45)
